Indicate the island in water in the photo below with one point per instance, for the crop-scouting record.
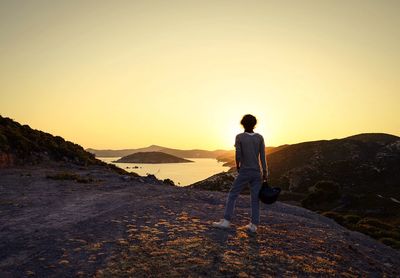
(152, 157)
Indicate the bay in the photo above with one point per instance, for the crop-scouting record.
(182, 174)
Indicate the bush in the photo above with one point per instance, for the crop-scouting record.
(322, 194)
(70, 176)
(368, 230)
(291, 196)
(169, 182)
(334, 215)
(352, 219)
(391, 242)
(391, 234)
(376, 232)
(327, 186)
(375, 223)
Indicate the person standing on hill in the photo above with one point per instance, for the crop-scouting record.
(250, 150)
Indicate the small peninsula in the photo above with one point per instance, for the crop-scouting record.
(151, 157)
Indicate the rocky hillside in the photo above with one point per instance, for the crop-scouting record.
(151, 157)
(350, 179)
(366, 162)
(20, 144)
(112, 225)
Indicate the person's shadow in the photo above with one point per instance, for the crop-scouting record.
(234, 239)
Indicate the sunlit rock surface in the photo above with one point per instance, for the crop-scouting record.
(92, 221)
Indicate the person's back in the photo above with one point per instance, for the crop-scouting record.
(250, 149)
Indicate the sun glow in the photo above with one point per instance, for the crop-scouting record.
(182, 74)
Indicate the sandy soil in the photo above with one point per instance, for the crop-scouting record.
(125, 226)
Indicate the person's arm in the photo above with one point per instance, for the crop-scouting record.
(238, 153)
(263, 159)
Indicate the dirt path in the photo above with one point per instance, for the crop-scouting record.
(116, 226)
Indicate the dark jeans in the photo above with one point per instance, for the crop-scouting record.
(245, 177)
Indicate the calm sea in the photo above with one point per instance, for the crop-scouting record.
(182, 174)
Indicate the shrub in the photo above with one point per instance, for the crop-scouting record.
(368, 230)
(291, 196)
(391, 242)
(63, 176)
(376, 232)
(70, 176)
(327, 186)
(169, 182)
(391, 234)
(351, 219)
(375, 223)
(334, 215)
(322, 194)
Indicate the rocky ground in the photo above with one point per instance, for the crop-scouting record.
(94, 222)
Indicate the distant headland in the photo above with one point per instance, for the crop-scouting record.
(152, 157)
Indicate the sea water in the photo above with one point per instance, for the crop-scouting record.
(182, 174)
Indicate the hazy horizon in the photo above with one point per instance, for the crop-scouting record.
(228, 149)
(128, 74)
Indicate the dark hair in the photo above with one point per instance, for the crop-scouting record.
(248, 121)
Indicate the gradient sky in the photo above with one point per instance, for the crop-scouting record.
(125, 74)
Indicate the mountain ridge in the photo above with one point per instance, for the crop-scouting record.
(151, 157)
(221, 154)
(191, 153)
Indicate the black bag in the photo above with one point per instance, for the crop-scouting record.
(268, 194)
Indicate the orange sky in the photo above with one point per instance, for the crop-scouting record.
(125, 74)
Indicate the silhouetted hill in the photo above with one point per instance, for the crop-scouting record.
(359, 164)
(357, 176)
(151, 157)
(20, 144)
(381, 138)
(196, 153)
(124, 152)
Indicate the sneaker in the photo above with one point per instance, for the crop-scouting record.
(251, 228)
(222, 224)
